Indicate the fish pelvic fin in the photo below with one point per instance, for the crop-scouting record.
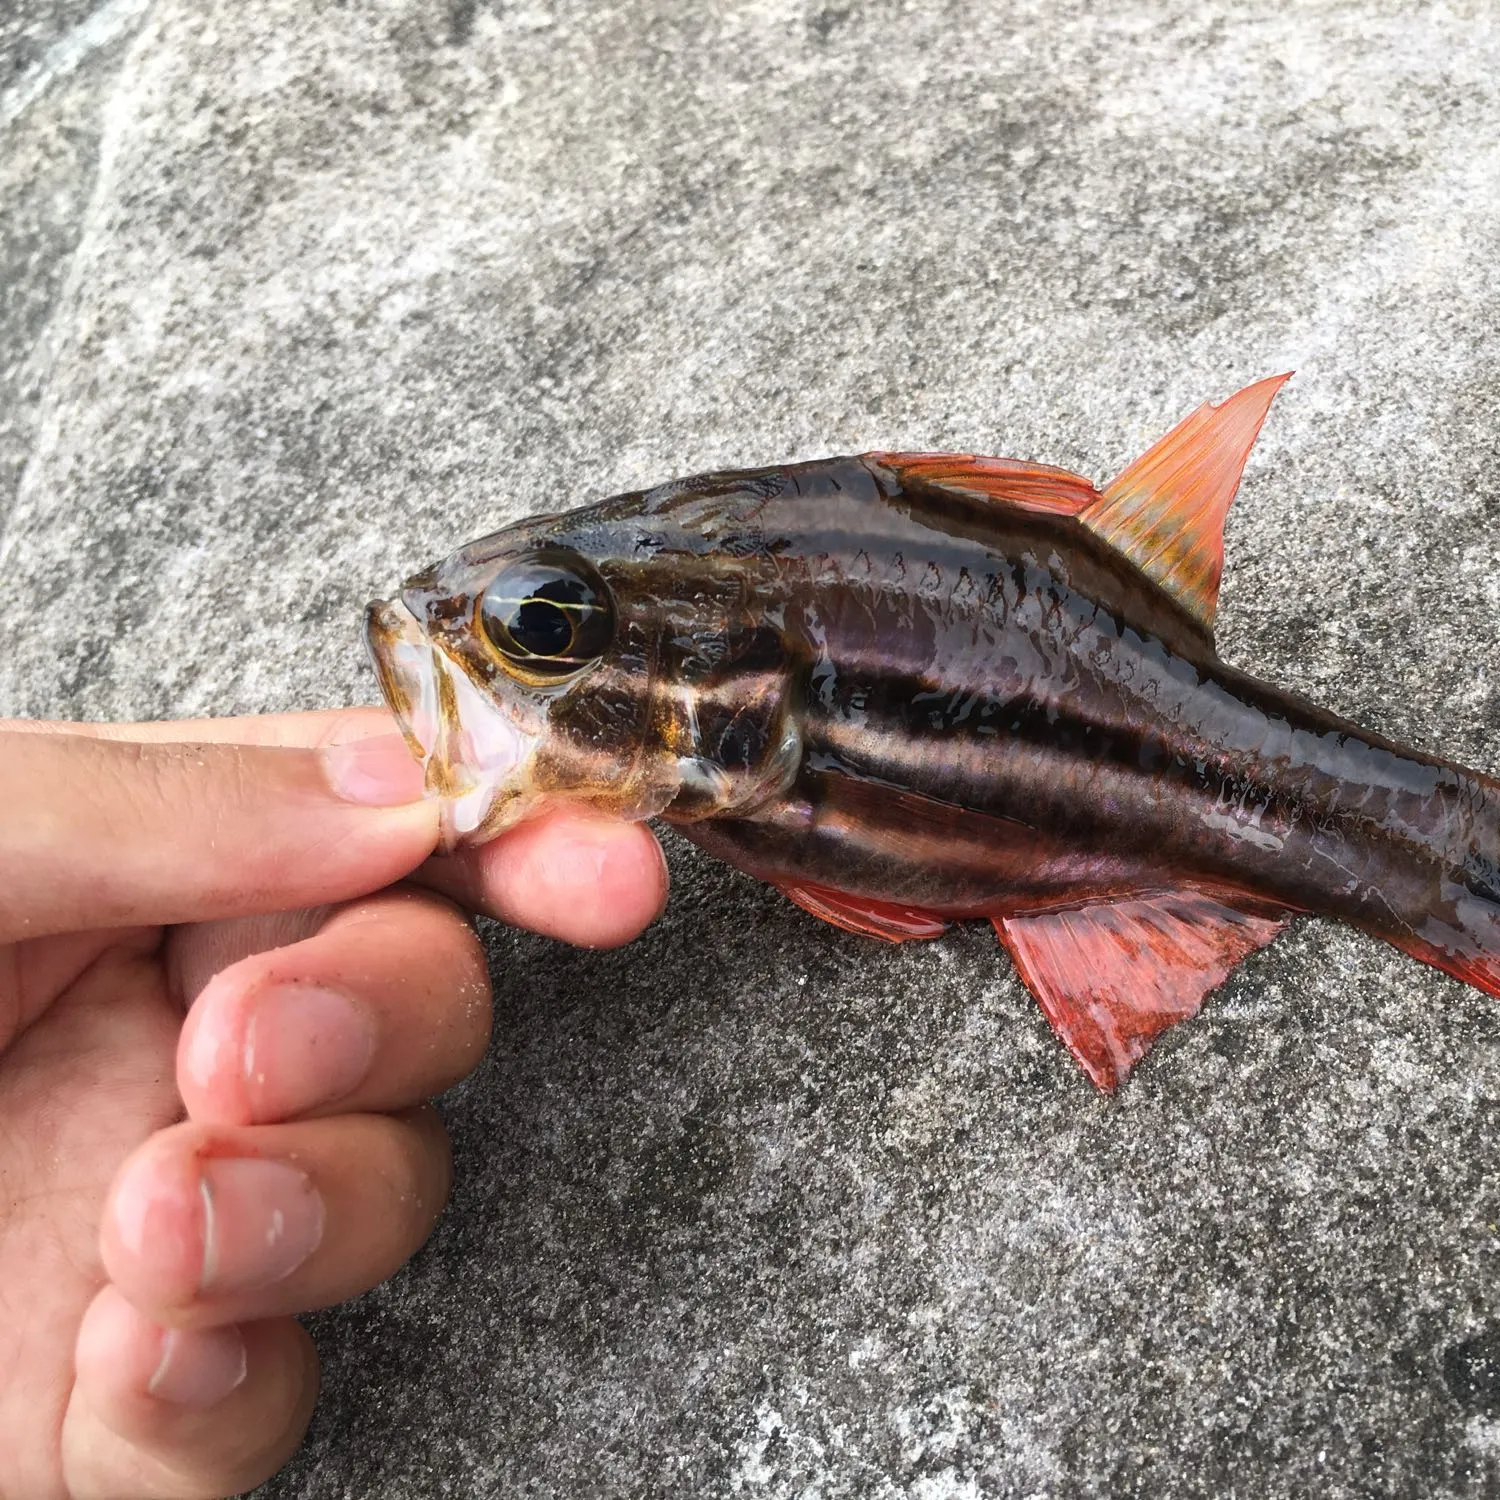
(887, 920)
(1112, 976)
(1166, 511)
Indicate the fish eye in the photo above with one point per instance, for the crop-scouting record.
(549, 614)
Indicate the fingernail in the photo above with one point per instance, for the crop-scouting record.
(305, 1046)
(261, 1220)
(198, 1367)
(377, 772)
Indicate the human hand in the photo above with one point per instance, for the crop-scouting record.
(220, 1015)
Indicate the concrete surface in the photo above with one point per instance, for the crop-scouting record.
(753, 1207)
(58, 62)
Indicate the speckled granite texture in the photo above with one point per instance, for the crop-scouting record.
(58, 62)
(754, 1207)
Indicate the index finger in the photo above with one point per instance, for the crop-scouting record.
(105, 834)
(314, 730)
(568, 873)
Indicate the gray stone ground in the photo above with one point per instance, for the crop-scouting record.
(295, 296)
(58, 62)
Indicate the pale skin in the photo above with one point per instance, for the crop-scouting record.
(231, 974)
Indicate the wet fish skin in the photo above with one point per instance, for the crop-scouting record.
(910, 689)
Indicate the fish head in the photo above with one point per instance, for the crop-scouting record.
(613, 656)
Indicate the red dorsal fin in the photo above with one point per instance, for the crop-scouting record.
(1112, 977)
(1036, 487)
(1166, 511)
(882, 919)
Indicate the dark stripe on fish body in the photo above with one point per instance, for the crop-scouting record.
(1191, 787)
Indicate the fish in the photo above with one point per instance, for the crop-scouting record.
(914, 689)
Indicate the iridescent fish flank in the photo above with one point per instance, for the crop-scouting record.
(915, 688)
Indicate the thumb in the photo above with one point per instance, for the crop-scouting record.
(106, 833)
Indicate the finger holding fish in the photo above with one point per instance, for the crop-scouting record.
(591, 880)
(311, 1034)
(569, 873)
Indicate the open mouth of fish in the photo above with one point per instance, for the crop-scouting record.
(473, 752)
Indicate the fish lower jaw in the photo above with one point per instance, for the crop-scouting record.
(481, 766)
(481, 813)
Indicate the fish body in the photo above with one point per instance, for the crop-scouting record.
(912, 688)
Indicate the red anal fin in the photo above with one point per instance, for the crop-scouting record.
(1112, 977)
(1166, 511)
(882, 919)
(1034, 487)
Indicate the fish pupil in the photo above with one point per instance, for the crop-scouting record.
(542, 628)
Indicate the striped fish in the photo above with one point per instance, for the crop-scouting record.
(911, 689)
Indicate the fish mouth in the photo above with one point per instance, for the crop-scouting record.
(475, 754)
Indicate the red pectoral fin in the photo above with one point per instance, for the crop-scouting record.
(1006, 481)
(881, 919)
(1112, 977)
